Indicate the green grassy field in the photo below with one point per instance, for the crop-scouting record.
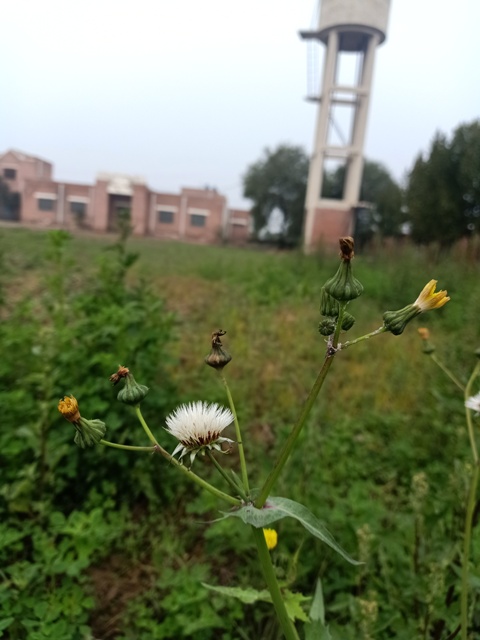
(104, 544)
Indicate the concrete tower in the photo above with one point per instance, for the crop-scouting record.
(351, 30)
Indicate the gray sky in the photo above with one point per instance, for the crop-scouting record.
(188, 93)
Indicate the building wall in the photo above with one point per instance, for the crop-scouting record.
(195, 215)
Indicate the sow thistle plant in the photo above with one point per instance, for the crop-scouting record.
(198, 429)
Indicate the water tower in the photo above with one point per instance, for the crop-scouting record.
(351, 31)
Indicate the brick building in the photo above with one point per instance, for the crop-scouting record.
(197, 215)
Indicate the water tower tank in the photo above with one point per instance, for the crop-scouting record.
(353, 19)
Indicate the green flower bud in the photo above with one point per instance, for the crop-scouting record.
(396, 321)
(347, 321)
(328, 305)
(343, 286)
(218, 357)
(477, 352)
(88, 432)
(132, 393)
(327, 326)
(428, 347)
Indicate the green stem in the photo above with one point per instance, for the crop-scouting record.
(447, 371)
(468, 393)
(238, 434)
(307, 407)
(200, 481)
(150, 435)
(126, 447)
(367, 336)
(466, 550)
(286, 624)
(193, 476)
(226, 477)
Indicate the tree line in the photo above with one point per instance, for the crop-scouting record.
(439, 201)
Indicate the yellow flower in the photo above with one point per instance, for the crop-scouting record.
(429, 299)
(271, 538)
(68, 407)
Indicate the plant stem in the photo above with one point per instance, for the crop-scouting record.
(193, 476)
(447, 371)
(150, 435)
(468, 413)
(466, 550)
(226, 477)
(200, 481)
(286, 624)
(472, 493)
(238, 434)
(367, 336)
(307, 407)
(126, 447)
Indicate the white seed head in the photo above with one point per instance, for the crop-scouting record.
(473, 403)
(197, 426)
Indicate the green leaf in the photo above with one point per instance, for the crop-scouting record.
(317, 610)
(247, 596)
(317, 630)
(250, 596)
(293, 605)
(278, 508)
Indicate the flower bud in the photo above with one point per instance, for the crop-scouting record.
(347, 321)
(132, 393)
(344, 286)
(271, 538)
(327, 326)
(396, 321)
(88, 432)
(428, 347)
(328, 305)
(477, 352)
(218, 357)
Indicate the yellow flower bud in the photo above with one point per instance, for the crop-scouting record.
(271, 538)
(68, 407)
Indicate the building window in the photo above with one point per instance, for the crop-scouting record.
(78, 208)
(197, 220)
(165, 216)
(46, 204)
(10, 174)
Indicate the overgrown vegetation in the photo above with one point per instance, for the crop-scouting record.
(101, 544)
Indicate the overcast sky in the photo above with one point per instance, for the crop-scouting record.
(190, 92)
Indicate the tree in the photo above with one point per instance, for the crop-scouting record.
(443, 193)
(278, 181)
(379, 190)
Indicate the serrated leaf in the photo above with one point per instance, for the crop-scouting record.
(293, 605)
(278, 508)
(247, 596)
(250, 596)
(317, 631)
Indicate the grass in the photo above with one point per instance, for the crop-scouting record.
(385, 415)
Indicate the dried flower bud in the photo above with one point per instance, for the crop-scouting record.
(68, 407)
(88, 432)
(218, 357)
(132, 393)
(343, 286)
(121, 373)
